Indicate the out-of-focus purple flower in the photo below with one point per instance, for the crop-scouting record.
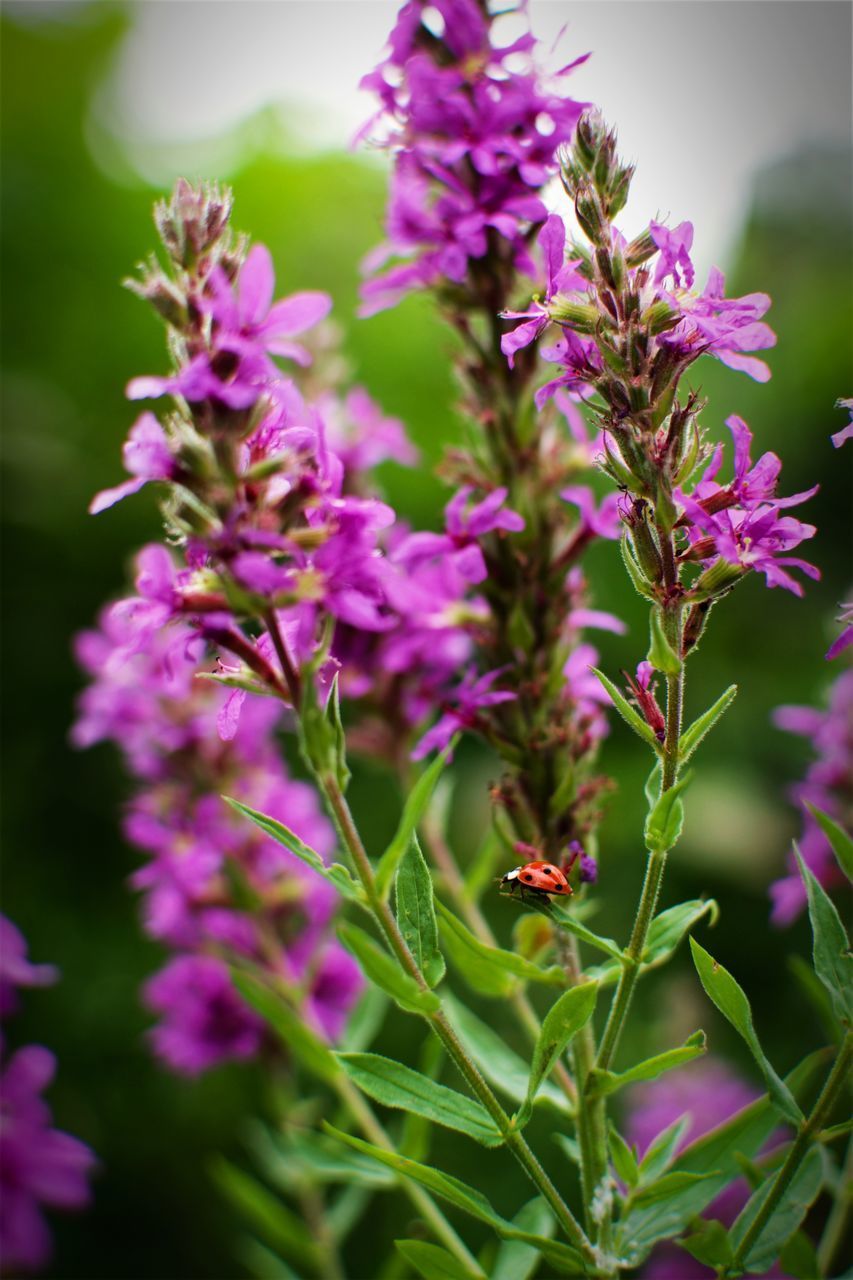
(362, 435)
(469, 698)
(146, 455)
(846, 638)
(603, 520)
(828, 785)
(39, 1166)
(560, 277)
(15, 968)
(585, 690)
(204, 1021)
(335, 987)
(846, 433)
(464, 525)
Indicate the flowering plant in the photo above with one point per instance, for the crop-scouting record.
(286, 602)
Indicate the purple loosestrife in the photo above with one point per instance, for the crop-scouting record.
(40, 1167)
(473, 127)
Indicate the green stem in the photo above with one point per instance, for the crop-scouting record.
(442, 1028)
(836, 1223)
(835, 1082)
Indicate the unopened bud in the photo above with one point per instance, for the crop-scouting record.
(645, 548)
(640, 250)
(580, 316)
(660, 317)
(716, 580)
(165, 297)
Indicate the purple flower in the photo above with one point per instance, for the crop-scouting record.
(828, 785)
(464, 526)
(846, 638)
(39, 1166)
(561, 277)
(728, 328)
(468, 698)
(204, 1021)
(603, 521)
(674, 247)
(336, 985)
(16, 970)
(362, 436)
(846, 433)
(146, 455)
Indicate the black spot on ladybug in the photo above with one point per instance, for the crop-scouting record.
(526, 875)
(549, 871)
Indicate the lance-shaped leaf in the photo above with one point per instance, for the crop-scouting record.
(289, 1159)
(664, 822)
(691, 737)
(662, 1150)
(624, 1158)
(668, 1187)
(266, 1213)
(499, 1064)
(842, 845)
(300, 1040)
(709, 1244)
(730, 998)
(434, 1263)
(365, 1020)
(661, 654)
(337, 874)
(668, 928)
(567, 921)
(379, 967)
(562, 1257)
(491, 971)
(743, 1135)
(413, 811)
(792, 1208)
(604, 1082)
(626, 711)
(833, 962)
(563, 1020)
(518, 1261)
(397, 1086)
(416, 913)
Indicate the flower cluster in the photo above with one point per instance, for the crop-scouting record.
(828, 786)
(176, 721)
(473, 126)
(40, 1167)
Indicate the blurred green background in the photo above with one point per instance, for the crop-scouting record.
(71, 340)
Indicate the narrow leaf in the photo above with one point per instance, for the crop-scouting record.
(490, 970)
(665, 820)
(785, 1218)
(668, 1187)
(482, 868)
(817, 996)
(627, 712)
(518, 1261)
(624, 1159)
(730, 998)
(842, 845)
(266, 1213)
(635, 573)
(563, 1020)
(799, 1258)
(604, 1082)
(432, 1262)
(413, 810)
(709, 1244)
(567, 921)
(395, 1085)
(416, 913)
(668, 928)
(662, 1151)
(691, 737)
(299, 1039)
(365, 1020)
(289, 1159)
(261, 1262)
(661, 654)
(379, 967)
(337, 874)
(333, 713)
(833, 962)
(499, 1064)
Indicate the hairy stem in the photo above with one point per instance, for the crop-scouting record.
(442, 1028)
(820, 1113)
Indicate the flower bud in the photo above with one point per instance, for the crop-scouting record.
(580, 316)
(641, 248)
(645, 548)
(719, 578)
(660, 317)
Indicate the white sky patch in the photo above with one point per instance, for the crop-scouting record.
(704, 94)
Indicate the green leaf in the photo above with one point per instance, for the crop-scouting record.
(842, 845)
(261, 1262)
(298, 1038)
(395, 1085)
(490, 970)
(416, 912)
(604, 1082)
(661, 1152)
(627, 712)
(730, 998)
(785, 1218)
(567, 921)
(666, 818)
(691, 737)
(833, 962)
(385, 972)
(835, 1131)
(624, 1158)
(333, 714)
(482, 868)
(709, 1244)
(744, 1134)
(668, 1186)
(288, 1159)
(265, 1213)
(499, 1064)
(337, 874)
(560, 1256)
(346, 1210)
(817, 996)
(516, 1260)
(365, 1020)
(432, 1262)
(668, 928)
(563, 1020)
(799, 1258)
(661, 654)
(635, 573)
(413, 811)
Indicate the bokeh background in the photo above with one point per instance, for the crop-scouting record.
(739, 117)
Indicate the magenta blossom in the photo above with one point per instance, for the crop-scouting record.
(204, 1020)
(146, 455)
(16, 970)
(728, 328)
(674, 247)
(602, 521)
(561, 277)
(469, 697)
(464, 526)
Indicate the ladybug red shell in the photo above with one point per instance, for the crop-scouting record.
(538, 877)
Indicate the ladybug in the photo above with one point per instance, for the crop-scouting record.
(538, 878)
